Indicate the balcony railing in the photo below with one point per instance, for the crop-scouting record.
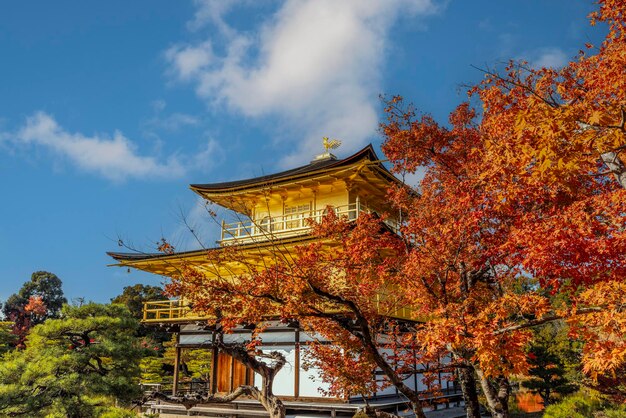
(179, 311)
(168, 311)
(289, 225)
(172, 311)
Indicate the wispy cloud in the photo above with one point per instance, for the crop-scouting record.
(315, 65)
(212, 12)
(173, 122)
(549, 57)
(113, 157)
(190, 61)
(209, 155)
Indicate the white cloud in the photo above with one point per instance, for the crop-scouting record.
(187, 61)
(547, 57)
(551, 57)
(315, 64)
(209, 155)
(212, 12)
(114, 158)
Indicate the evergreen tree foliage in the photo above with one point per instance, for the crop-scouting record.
(547, 373)
(7, 338)
(554, 362)
(43, 284)
(199, 364)
(152, 370)
(74, 366)
(38, 299)
(134, 297)
(195, 364)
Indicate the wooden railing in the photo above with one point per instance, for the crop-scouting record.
(168, 311)
(288, 225)
(172, 311)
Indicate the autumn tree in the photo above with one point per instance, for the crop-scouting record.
(44, 285)
(74, 366)
(555, 141)
(551, 124)
(38, 299)
(454, 230)
(542, 171)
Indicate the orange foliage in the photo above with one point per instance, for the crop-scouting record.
(554, 139)
(36, 306)
(517, 205)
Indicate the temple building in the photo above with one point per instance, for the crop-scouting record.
(269, 208)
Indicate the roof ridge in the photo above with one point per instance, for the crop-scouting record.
(307, 168)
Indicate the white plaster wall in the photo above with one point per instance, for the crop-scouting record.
(278, 337)
(304, 337)
(391, 390)
(410, 381)
(284, 381)
(310, 381)
(237, 338)
(189, 327)
(188, 339)
(446, 380)
(420, 385)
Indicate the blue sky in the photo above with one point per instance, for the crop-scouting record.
(108, 110)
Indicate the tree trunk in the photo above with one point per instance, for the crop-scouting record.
(470, 395)
(270, 402)
(616, 165)
(497, 398)
(417, 407)
(265, 395)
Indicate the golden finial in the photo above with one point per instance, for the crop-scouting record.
(331, 143)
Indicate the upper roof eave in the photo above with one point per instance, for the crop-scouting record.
(295, 173)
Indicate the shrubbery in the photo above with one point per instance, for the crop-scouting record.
(584, 405)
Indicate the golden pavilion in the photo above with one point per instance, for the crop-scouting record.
(271, 208)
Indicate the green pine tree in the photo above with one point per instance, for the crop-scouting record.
(74, 366)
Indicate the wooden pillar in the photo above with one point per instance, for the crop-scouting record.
(231, 382)
(176, 367)
(214, 362)
(415, 369)
(296, 383)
